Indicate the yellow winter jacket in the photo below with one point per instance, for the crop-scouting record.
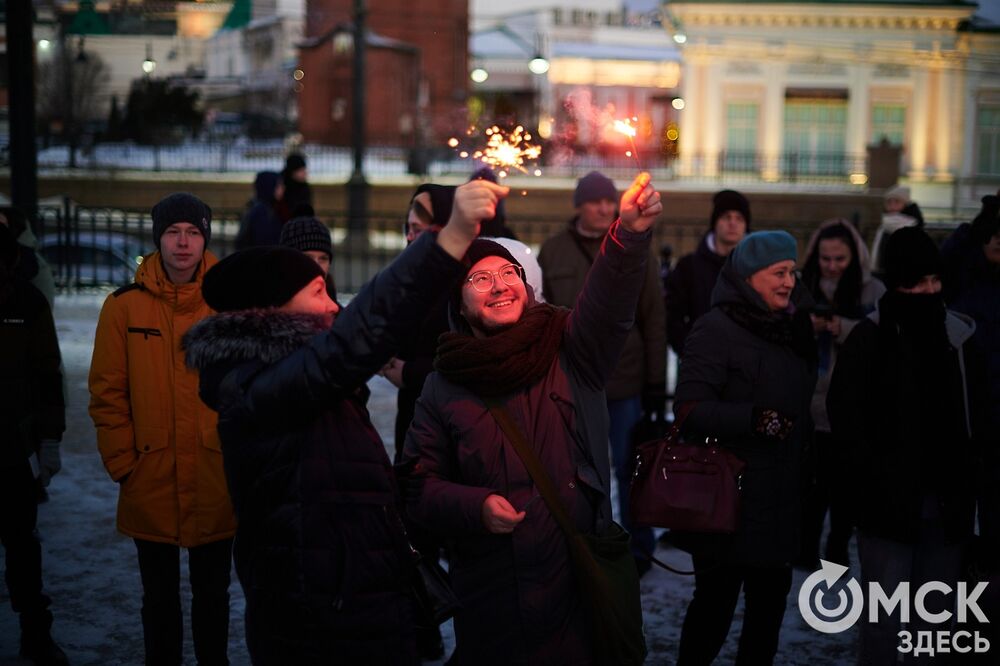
(153, 430)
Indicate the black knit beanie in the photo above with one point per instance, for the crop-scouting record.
(258, 277)
(910, 254)
(181, 207)
(987, 223)
(305, 234)
(294, 162)
(728, 200)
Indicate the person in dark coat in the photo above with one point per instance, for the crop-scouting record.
(837, 277)
(31, 410)
(261, 225)
(548, 366)
(430, 208)
(906, 400)
(971, 285)
(320, 550)
(298, 201)
(690, 284)
(748, 369)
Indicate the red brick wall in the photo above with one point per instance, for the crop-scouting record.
(438, 27)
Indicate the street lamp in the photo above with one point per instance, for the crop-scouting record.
(148, 65)
(538, 65)
(479, 75)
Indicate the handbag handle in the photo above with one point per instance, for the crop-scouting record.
(531, 462)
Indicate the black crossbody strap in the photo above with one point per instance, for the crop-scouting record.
(531, 462)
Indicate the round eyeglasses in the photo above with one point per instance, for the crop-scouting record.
(483, 280)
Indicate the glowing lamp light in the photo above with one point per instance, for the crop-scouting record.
(453, 142)
(538, 65)
(673, 134)
(677, 103)
(148, 66)
(44, 44)
(479, 75)
(858, 178)
(680, 38)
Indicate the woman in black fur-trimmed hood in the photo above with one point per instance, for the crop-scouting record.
(320, 550)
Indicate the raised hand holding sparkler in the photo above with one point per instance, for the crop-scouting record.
(640, 204)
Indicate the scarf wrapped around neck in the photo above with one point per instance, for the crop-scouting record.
(507, 361)
(781, 328)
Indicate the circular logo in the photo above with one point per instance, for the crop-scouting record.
(811, 597)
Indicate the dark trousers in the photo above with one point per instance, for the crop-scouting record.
(710, 613)
(825, 489)
(623, 415)
(19, 499)
(162, 625)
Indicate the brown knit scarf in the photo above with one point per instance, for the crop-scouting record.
(508, 361)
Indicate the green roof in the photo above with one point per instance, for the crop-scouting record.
(87, 21)
(238, 16)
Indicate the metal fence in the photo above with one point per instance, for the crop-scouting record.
(840, 170)
(89, 247)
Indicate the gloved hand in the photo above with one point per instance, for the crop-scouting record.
(771, 424)
(654, 398)
(49, 462)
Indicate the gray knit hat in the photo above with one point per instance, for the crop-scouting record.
(181, 207)
(305, 234)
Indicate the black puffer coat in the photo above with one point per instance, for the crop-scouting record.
(320, 550)
(728, 370)
(31, 394)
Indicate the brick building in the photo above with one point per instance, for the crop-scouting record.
(416, 76)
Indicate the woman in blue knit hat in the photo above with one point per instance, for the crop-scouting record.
(747, 376)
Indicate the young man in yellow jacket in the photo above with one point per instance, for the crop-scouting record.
(158, 440)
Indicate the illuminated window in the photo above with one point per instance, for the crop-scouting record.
(815, 136)
(888, 121)
(742, 122)
(988, 140)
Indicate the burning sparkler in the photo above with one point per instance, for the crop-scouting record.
(626, 127)
(504, 151)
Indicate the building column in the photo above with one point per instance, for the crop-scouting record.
(691, 145)
(918, 136)
(858, 111)
(944, 171)
(773, 113)
(713, 116)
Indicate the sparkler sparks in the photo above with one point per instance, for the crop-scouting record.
(504, 151)
(626, 127)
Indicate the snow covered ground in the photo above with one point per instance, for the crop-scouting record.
(91, 573)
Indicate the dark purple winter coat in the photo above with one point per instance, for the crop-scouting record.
(320, 549)
(520, 601)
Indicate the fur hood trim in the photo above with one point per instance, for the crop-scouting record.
(266, 335)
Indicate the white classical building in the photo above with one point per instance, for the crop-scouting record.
(804, 87)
